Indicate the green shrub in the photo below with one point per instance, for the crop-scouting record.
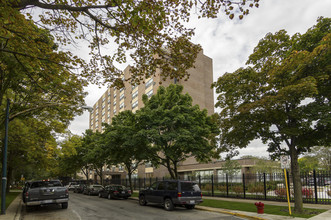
(206, 187)
(256, 189)
(222, 188)
(237, 189)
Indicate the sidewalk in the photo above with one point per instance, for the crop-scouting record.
(251, 215)
(13, 212)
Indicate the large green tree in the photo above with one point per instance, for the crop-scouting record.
(136, 30)
(282, 97)
(176, 129)
(32, 150)
(95, 156)
(124, 144)
(69, 158)
(38, 93)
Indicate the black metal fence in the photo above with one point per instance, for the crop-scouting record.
(316, 186)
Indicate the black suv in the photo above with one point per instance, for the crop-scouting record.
(171, 193)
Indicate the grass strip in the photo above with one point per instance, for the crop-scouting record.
(268, 209)
(10, 197)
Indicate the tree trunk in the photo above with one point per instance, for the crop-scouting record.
(297, 186)
(175, 170)
(170, 170)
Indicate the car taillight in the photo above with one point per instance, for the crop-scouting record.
(129, 191)
(201, 195)
(115, 192)
(26, 195)
(179, 194)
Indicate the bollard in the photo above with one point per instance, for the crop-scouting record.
(260, 207)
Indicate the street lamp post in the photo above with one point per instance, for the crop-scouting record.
(4, 161)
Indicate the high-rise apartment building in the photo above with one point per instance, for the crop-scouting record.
(113, 101)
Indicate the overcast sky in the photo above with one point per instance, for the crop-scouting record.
(230, 42)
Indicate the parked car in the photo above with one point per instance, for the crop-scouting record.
(71, 186)
(79, 188)
(115, 192)
(171, 193)
(92, 190)
(45, 192)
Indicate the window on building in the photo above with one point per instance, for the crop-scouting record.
(122, 89)
(148, 164)
(122, 105)
(149, 93)
(149, 83)
(114, 111)
(135, 104)
(114, 103)
(134, 86)
(122, 96)
(135, 94)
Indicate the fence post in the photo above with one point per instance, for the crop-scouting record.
(227, 185)
(265, 187)
(139, 184)
(315, 186)
(144, 182)
(212, 185)
(244, 187)
(199, 181)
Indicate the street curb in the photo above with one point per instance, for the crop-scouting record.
(221, 211)
(18, 210)
(229, 213)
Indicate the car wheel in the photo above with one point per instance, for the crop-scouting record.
(125, 197)
(168, 205)
(189, 206)
(99, 195)
(64, 205)
(142, 200)
(109, 196)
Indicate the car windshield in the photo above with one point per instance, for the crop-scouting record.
(97, 187)
(45, 184)
(189, 186)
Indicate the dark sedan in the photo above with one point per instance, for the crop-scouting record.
(115, 192)
(92, 190)
(80, 188)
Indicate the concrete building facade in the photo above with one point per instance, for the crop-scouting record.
(113, 101)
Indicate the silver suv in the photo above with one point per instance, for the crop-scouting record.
(171, 193)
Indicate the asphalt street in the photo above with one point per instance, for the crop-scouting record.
(83, 207)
